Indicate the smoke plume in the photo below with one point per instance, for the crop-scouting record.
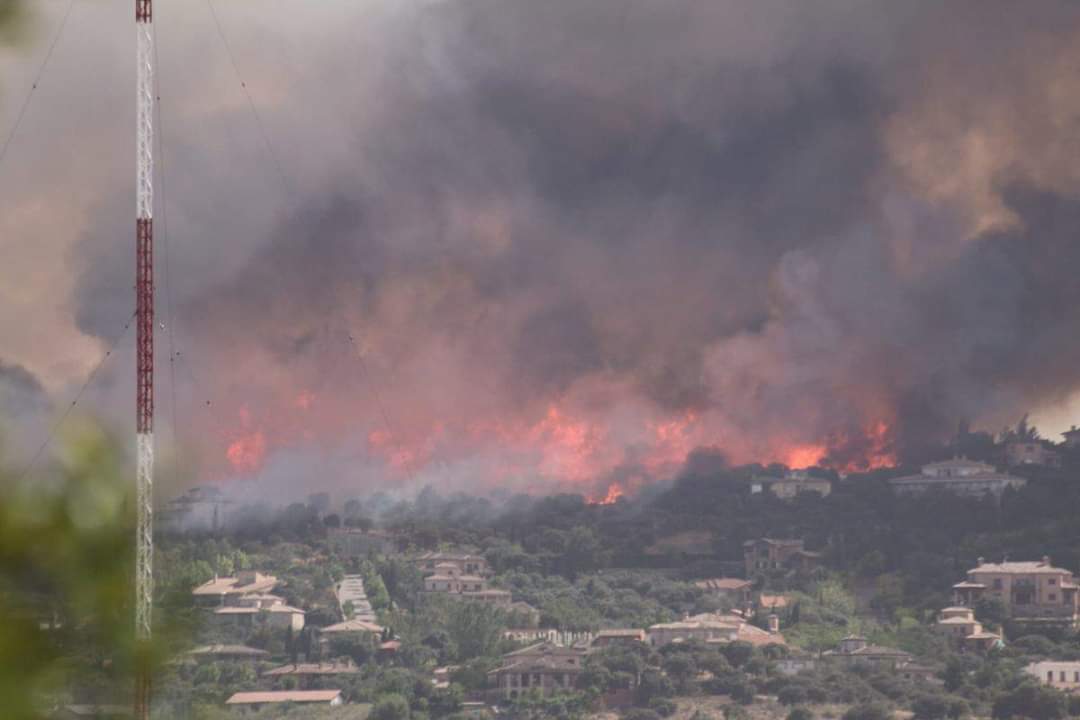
(567, 243)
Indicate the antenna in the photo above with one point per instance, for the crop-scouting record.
(144, 347)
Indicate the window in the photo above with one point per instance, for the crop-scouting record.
(1052, 597)
(997, 583)
(1061, 676)
(1049, 676)
(1052, 581)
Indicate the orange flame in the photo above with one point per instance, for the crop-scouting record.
(614, 492)
(804, 456)
(247, 453)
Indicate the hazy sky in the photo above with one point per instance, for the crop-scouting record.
(550, 243)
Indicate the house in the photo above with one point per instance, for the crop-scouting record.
(770, 555)
(450, 579)
(351, 628)
(491, 596)
(307, 672)
(1056, 674)
(465, 563)
(1030, 452)
(959, 476)
(771, 603)
(440, 676)
(276, 614)
(607, 638)
(959, 626)
(214, 653)
(855, 650)
(227, 590)
(525, 612)
(355, 542)
(566, 638)
(548, 667)
(715, 628)
(796, 662)
(1072, 437)
(476, 710)
(754, 635)
(734, 591)
(278, 697)
(689, 629)
(798, 482)
(1035, 591)
(916, 672)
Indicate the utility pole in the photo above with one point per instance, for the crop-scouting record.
(144, 350)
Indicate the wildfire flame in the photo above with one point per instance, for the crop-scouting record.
(614, 492)
(565, 445)
(246, 454)
(804, 456)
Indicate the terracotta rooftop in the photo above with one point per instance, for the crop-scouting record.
(352, 626)
(723, 584)
(327, 668)
(231, 586)
(1023, 567)
(282, 696)
(228, 650)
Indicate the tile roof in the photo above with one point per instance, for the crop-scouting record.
(232, 586)
(1021, 567)
(353, 625)
(723, 584)
(327, 668)
(228, 650)
(281, 696)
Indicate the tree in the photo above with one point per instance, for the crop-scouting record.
(868, 711)
(664, 707)
(681, 668)
(991, 612)
(66, 566)
(653, 685)
(738, 653)
(640, 714)
(1031, 701)
(938, 707)
(474, 628)
(800, 713)
(390, 707)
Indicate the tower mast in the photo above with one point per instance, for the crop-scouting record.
(144, 344)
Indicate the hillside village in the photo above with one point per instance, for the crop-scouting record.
(946, 589)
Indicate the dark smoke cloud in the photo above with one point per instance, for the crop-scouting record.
(572, 241)
(20, 391)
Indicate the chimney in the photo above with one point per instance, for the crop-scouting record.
(1046, 560)
(774, 623)
(981, 560)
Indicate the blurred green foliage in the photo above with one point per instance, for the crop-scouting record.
(66, 582)
(13, 19)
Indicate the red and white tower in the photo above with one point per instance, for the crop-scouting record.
(144, 344)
